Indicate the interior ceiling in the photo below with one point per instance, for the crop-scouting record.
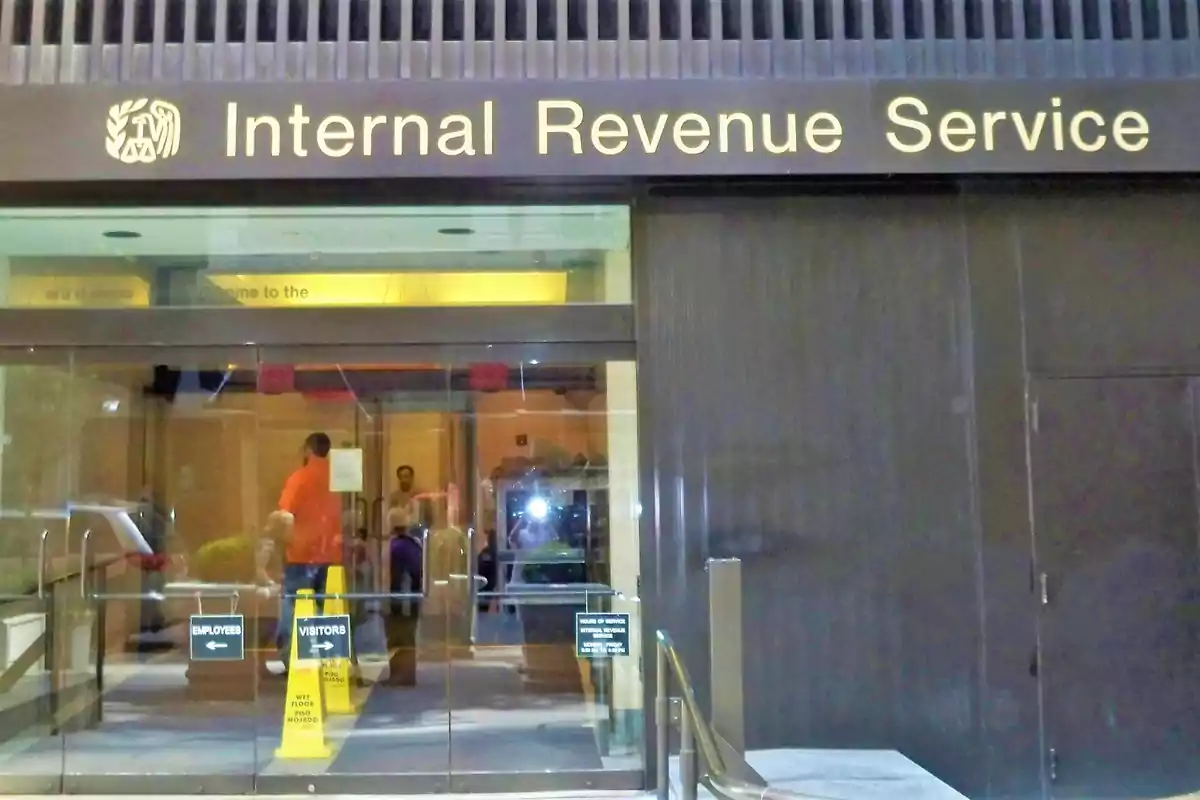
(269, 239)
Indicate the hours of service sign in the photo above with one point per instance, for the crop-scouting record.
(601, 635)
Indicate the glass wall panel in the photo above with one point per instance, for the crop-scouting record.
(36, 575)
(322, 256)
(554, 516)
(163, 520)
(460, 516)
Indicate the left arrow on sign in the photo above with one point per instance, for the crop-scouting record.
(216, 645)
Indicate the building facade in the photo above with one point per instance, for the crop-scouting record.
(893, 301)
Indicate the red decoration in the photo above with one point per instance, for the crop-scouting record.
(276, 378)
(488, 377)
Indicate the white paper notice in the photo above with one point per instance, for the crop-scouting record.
(346, 470)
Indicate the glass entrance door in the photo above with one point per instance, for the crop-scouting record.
(496, 526)
(275, 570)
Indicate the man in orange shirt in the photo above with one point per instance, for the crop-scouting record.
(309, 518)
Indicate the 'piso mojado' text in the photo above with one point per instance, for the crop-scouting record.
(567, 127)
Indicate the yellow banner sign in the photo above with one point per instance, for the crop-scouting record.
(394, 289)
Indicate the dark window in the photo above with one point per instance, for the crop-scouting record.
(822, 20)
(943, 18)
(1151, 29)
(914, 20)
(883, 19)
(852, 14)
(1033, 19)
(793, 23)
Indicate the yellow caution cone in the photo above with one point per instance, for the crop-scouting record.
(335, 672)
(304, 713)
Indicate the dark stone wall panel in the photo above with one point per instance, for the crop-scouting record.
(807, 408)
(1109, 282)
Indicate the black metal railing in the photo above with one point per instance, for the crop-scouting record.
(73, 41)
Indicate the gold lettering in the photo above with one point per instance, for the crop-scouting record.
(1077, 135)
(369, 126)
(252, 125)
(789, 144)
(1131, 131)
(457, 127)
(571, 129)
(925, 135)
(724, 121)
(231, 130)
(298, 120)
(650, 141)
(990, 118)
(823, 132)
(487, 127)
(608, 127)
(1056, 122)
(955, 124)
(422, 125)
(1029, 138)
(335, 129)
(691, 126)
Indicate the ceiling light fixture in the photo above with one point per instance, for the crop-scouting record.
(122, 235)
(456, 231)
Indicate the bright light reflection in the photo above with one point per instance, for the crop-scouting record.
(538, 508)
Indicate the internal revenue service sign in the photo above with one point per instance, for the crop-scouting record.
(596, 128)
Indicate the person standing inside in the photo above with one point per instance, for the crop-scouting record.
(406, 554)
(309, 521)
(405, 497)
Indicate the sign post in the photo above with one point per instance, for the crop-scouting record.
(601, 635)
(217, 637)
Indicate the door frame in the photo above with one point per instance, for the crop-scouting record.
(451, 335)
(523, 326)
(1046, 574)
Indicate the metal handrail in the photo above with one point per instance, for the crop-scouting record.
(694, 731)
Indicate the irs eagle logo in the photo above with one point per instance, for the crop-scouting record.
(142, 131)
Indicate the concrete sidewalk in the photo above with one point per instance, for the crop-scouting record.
(573, 795)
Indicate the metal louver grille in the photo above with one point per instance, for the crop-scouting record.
(45, 41)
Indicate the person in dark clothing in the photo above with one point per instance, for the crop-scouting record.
(406, 556)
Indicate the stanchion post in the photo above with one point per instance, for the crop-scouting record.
(725, 651)
(688, 778)
(662, 725)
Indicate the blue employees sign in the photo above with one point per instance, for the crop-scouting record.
(323, 638)
(217, 637)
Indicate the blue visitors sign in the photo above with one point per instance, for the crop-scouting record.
(323, 638)
(217, 637)
(601, 635)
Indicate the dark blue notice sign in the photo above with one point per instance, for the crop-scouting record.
(601, 635)
(323, 638)
(217, 637)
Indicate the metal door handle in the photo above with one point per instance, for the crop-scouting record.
(1044, 583)
(425, 577)
(474, 587)
(41, 580)
(83, 564)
